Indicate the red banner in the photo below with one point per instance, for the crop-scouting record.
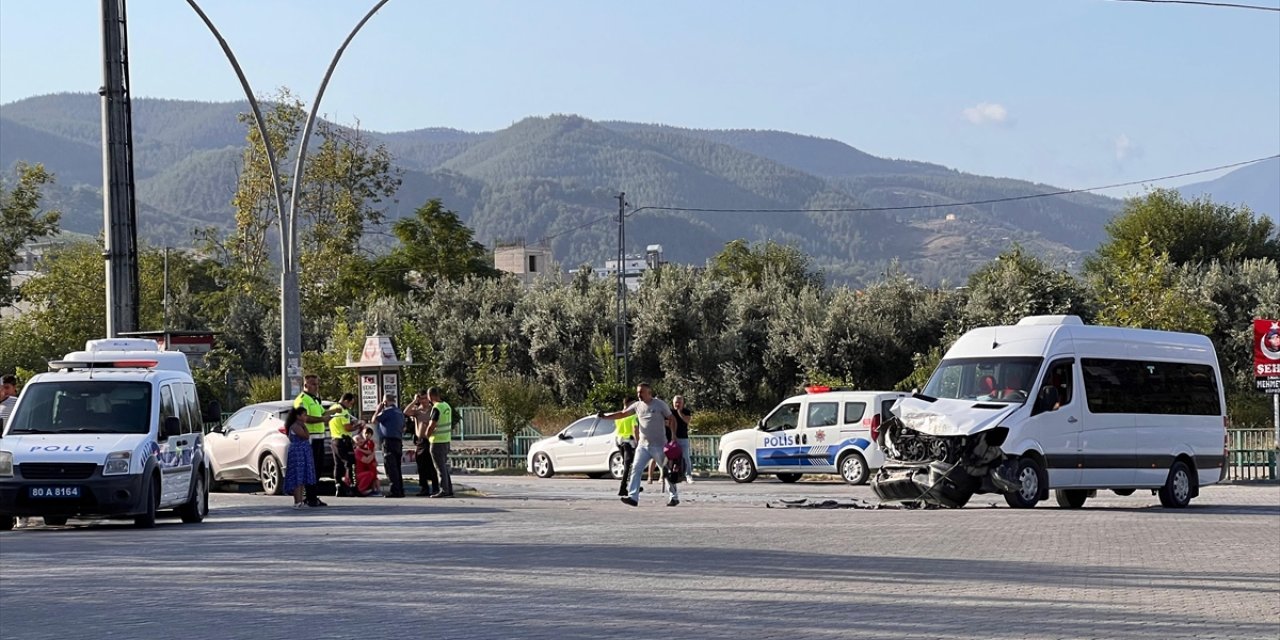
(1266, 348)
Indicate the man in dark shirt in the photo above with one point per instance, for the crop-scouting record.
(390, 421)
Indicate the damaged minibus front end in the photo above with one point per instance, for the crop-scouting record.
(942, 451)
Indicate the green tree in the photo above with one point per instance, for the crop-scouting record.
(742, 263)
(1188, 231)
(512, 399)
(433, 246)
(1138, 287)
(1016, 285)
(22, 221)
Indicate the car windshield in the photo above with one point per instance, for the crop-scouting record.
(90, 406)
(984, 379)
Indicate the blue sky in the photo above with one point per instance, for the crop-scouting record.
(1069, 92)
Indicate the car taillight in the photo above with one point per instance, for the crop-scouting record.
(283, 430)
(875, 428)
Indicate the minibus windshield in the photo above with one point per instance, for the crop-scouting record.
(87, 406)
(1007, 380)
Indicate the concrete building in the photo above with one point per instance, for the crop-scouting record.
(526, 262)
(633, 267)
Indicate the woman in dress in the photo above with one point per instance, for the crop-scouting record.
(300, 468)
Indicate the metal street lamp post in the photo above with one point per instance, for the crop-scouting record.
(290, 312)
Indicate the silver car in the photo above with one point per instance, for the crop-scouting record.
(251, 446)
(586, 446)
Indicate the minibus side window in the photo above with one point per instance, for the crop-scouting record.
(1056, 388)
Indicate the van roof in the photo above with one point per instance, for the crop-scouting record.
(843, 394)
(1036, 336)
(123, 353)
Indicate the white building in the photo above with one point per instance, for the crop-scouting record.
(633, 267)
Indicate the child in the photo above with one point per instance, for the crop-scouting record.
(366, 464)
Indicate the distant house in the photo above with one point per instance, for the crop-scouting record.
(526, 262)
(633, 267)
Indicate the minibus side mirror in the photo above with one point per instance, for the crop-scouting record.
(171, 427)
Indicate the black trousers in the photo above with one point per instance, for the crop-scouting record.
(428, 483)
(312, 490)
(628, 450)
(392, 453)
(344, 465)
(440, 456)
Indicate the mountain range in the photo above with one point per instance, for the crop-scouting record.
(555, 179)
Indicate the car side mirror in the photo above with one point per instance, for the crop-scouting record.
(217, 428)
(564, 436)
(171, 427)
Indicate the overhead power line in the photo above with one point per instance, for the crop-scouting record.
(1031, 196)
(1224, 5)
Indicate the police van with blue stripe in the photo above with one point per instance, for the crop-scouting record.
(112, 431)
(823, 431)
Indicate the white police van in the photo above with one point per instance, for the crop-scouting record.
(111, 431)
(823, 431)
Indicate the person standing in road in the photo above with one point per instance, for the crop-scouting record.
(625, 438)
(656, 426)
(8, 397)
(300, 467)
(390, 421)
(440, 434)
(341, 427)
(314, 417)
(681, 413)
(420, 411)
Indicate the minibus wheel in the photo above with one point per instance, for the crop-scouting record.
(7, 523)
(1071, 498)
(1032, 480)
(1178, 489)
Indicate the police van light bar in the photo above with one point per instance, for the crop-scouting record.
(114, 364)
(817, 388)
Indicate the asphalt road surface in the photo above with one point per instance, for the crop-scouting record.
(562, 558)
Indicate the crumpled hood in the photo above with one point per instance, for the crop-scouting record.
(78, 447)
(946, 417)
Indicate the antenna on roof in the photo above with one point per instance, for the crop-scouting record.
(994, 335)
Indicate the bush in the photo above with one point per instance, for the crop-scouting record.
(714, 422)
(550, 419)
(263, 389)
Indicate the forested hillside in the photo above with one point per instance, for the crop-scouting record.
(555, 177)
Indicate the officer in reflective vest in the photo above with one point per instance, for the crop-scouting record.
(341, 426)
(625, 437)
(439, 434)
(315, 419)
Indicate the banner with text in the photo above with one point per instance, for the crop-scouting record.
(1266, 355)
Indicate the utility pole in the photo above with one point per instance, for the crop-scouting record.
(621, 348)
(120, 225)
(164, 325)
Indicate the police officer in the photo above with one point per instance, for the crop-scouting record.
(439, 434)
(316, 417)
(341, 426)
(625, 438)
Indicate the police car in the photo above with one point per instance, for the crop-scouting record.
(823, 431)
(113, 431)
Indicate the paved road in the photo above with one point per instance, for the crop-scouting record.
(561, 558)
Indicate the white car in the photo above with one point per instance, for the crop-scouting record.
(586, 446)
(252, 446)
(822, 431)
